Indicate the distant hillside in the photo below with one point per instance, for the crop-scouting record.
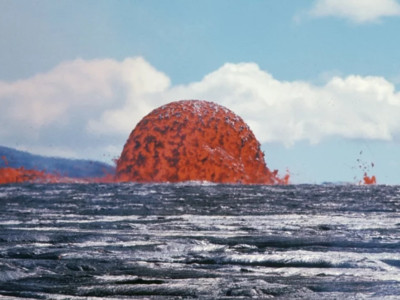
(77, 168)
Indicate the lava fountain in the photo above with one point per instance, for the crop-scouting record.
(193, 140)
(369, 179)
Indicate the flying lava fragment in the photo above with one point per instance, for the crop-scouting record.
(369, 179)
(194, 140)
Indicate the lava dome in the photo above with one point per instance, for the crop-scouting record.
(193, 140)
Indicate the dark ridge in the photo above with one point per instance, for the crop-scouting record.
(287, 243)
(139, 290)
(392, 262)
(77, 168)
(267, 263)
(140, 281)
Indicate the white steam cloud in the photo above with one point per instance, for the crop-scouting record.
(88, 108)
(358, 11)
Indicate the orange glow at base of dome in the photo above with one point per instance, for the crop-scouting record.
(194, 140)
(20, 175)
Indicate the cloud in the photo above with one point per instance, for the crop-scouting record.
(55, 110)
(352, 107)
(355, 10)
(88, 108)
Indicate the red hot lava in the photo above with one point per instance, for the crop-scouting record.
(366, 168)
(19, 175)
(369, 180)
(194, 140)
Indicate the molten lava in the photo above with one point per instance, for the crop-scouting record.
(366, 167)
(369, 180)
(18, 175)
(194, 140)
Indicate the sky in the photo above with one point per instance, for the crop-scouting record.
(317, 81)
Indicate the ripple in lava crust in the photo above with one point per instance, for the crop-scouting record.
(193, 140)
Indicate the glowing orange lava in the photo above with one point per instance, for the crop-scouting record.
(369, 180)
(20, 175)
(194, 140)
(366, 167)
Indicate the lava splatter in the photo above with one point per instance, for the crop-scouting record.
(369, 180)
(366, 168)
(18, 175)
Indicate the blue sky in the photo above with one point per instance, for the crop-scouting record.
(317, 81)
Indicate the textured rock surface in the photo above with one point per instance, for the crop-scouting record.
(193, 140)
